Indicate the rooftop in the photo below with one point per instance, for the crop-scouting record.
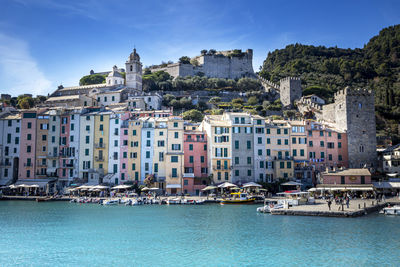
(347, 172)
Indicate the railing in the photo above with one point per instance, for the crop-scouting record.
(99, 159)
(100, 145)
(28, 164)
(5, 163)
(188, 175)
(195, 140)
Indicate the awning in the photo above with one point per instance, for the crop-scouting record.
(210, 187)
(252, 184)
(355, 187)
(173, 186)
(226, 184)
(28, 183)
(291, 183)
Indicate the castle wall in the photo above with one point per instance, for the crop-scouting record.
(329, 113)
(290, 90)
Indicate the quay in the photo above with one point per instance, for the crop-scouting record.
(356, 208)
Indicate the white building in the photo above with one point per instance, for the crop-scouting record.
(115, 77)
(114, 149)
(53, 142)
(86, 140)
(134, 71)
(147, 148)
(10, 134)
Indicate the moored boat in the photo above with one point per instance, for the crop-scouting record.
(391, 210)
(238, 198)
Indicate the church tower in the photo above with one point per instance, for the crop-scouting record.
(134, 71)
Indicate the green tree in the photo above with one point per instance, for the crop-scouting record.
(193, 115)
(252, 101)
(184, 60)
(92, 79)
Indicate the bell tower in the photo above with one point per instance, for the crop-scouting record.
(134, 71)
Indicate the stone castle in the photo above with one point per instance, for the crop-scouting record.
(231, 64)
(353, 111)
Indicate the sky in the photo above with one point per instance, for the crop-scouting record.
(46, 43)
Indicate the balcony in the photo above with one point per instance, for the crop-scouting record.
(5, 164)
(188, 175)
(28, 164)
(100, 159)
(99, 145)
(52, 155)
(195, 140)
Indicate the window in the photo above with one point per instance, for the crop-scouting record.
(101, 118)
(124, 154)
(176, 147)
(321, 143)
(148, 143)
(259, 140)
(8, 138)
(202, 159)
(147, 154)
(87, 152)
(268, 141)
(279, 141)
(294, 153)
(330, 157)
(236, 160)
(236, 144)
(330, 145)
(174, 158)
(339, 144)
(293, 140)
(87, 139)
(191, 147)
(282, 164)
(310, 143)
(340, 157)
(185, 182)
(289, 165)
(302, 152)
(134, 132)
(29, 137)
(133, 166)
(190, 159)
(219, 176)
(285, 131)
(205, 147)
(155, 167)
(17, 130)
(362, 179)
(249, 160)
(218, 164)
(261, 164)
(236, 172)
(248, 144)
(309, 133)
(176, 135)
(260, 152)
(268, 152)
(278, 131)
(113, 98)
(268, 131)
(162, 143)
(146, 166)
(322, 155)
(226, 176)
(175, 125)
(16, 140)
(29, 125)
(248, 172)
(321, 133)
(148, 133)
(339, 136)
(286, 141)
(101, 127)
(115, 143)
(342, 180)
(174, 172)
(28, 149)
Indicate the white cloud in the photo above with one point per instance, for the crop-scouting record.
(18, 69)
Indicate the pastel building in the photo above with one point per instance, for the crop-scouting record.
(124, 150)
(327, 147)
(28, 145)
(147, 148)
(195, 165)
(101, 143)
(134, 150)
(160, 147)
(259, 149)
(86, 148)
(174, 157)
(219, 150)
(42, 125)
(10, 137)
(53, 140)
(114, 149)
(346, 176)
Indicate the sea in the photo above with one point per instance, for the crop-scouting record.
(71, 234)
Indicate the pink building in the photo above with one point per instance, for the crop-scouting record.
(195, 162)
(347, 176)
(66, 159)
(327, 147)
(27, 145)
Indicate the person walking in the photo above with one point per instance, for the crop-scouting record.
(329, 203)
(347, 202)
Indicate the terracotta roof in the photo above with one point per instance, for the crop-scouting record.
(345, 172)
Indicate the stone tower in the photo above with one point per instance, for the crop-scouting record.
(134, 71)
(290, 90)
(355, 113)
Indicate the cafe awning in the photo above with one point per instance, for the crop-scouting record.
(173, 186)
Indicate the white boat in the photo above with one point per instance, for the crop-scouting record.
(111, 202)
(394, 210)
(174, 201)
(269, 207)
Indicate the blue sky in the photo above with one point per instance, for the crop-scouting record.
(44, 43)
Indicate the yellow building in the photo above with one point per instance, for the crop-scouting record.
(174, 158)
(134, 143)
(101, 142)
(277, 140)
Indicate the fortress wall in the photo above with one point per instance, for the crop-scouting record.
(216, 66)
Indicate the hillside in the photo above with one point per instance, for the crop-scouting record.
(375, 66)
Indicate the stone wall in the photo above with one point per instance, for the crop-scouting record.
(290, 90)
(219, 65)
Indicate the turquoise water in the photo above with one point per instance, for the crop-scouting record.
(66, 234)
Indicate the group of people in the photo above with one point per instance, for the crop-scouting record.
(339, 201)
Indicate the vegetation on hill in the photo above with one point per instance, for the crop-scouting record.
(25, 102)
(162, 81)
(92, 79)
(325, 70)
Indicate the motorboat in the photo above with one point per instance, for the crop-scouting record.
(111, 202)
(174, 201)
(267, 208)
(391, 210)
(238, 198)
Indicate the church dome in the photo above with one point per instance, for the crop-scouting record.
(115, 74)
(134, 56)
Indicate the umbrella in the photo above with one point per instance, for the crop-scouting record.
(226, 184)
(210, 187)
(12, 186)
(122, 186)
(145, 189)
(22, 185)
(34, 186)
(101, 187)
(235, 188)
(252, 184)
(154, 188)
(312, 190)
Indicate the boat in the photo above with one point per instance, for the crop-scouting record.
(43, 199)
(267, 208)
(391, 210)
(174, 201)
(238, 198)
(111, 202)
